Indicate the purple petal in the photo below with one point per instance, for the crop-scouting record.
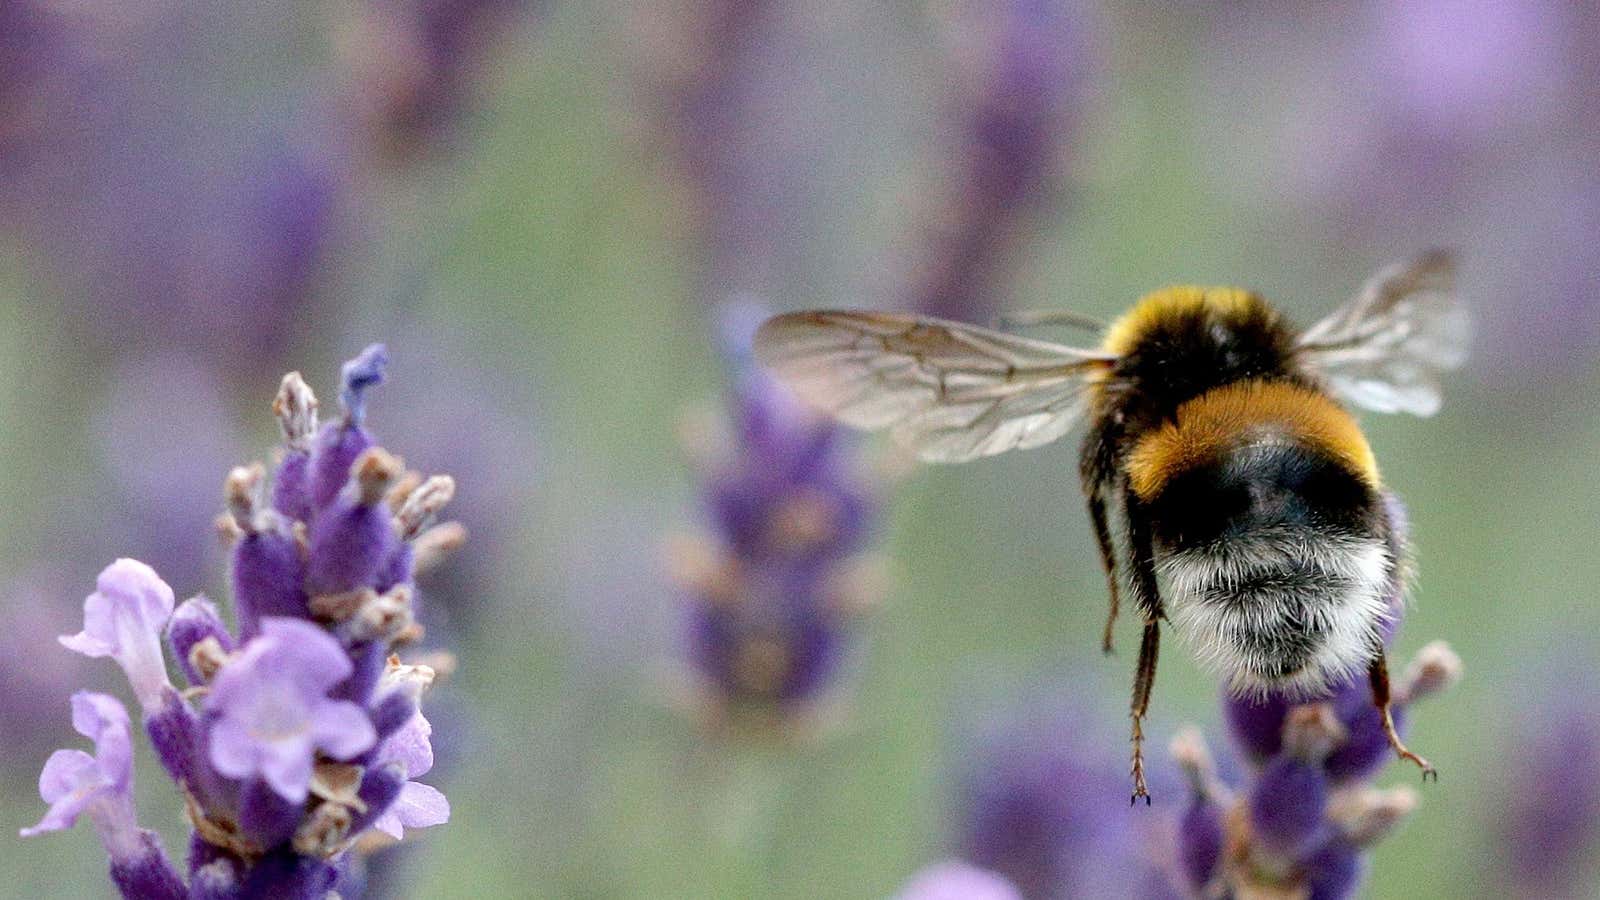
(232, 750)
(410, 747)
(104, 720)
(307, 651)
(421, 806)
(94, 714)
(136, 584)
(84, 642)
(64, 772)
(342, 730)
(195, 620)
(72, 779)
(286, 766)
(67, 783)
(389, 823)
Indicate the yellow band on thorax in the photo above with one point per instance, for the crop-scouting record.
(1169, 302)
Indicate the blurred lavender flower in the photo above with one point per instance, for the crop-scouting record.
(1467, 123)
(1031, 74)
(1043, 804)
(149, 211)
(30, 45)
(37, 684)
(955, 880)
(183, 228)
(1546, 822)
(414, 67)
(731, 132)
(1304, 819)
(153, 495)
(307, 731)
(780, 576)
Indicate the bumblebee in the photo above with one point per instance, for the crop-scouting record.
(1230, 491)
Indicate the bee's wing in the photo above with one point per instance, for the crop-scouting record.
(1384, 349)
(949, 391)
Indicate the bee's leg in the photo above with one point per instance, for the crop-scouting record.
(1108, 559)
(1142, 582)
(1378, 672)
(1143, 680)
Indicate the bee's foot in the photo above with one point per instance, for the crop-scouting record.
(1139, 789)
(1428, 771)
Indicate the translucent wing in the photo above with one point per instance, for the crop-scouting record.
(1385, 349)
(951, 392)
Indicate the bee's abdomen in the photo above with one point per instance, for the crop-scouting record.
(1275, 562)
(1264, 488)
(1283, 609)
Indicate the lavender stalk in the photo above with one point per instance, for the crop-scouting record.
(300, 733)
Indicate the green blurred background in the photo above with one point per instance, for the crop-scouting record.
(555, 253)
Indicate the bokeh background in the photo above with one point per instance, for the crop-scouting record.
(544, 210)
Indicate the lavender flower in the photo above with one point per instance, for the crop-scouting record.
(122, 619)
(418, 805)
(1031, 84)
(307, 731)
(1306, 816)
(1546, 824)
(75, 783)
(272, 711)
(415, 66)
(1043, 803)
(37, 685)
(726, 131)
(776, 583)
(956, 880)
(1472, 123)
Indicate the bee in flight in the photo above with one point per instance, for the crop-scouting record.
(1225, 481)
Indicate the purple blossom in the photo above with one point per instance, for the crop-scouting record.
(419, 805)
(272, 711)
(1546, 816)
(308, 732)
(158, 202)
(73, 781)
(195, 622)
(775, 583)
(1305, 817)
(1043, 802)
(730, 135)
(1029, 81)
(416, 64)
(124, 619)
(1471, 123)
(956, 880)
(37, 684)
(101, 786)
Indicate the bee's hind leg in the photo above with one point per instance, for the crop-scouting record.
(1147, 597)
(1378, 672)
(1143, 680)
